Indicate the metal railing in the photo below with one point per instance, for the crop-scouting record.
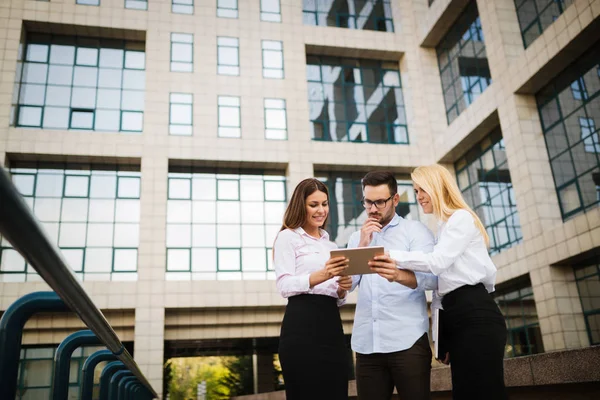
(19, 226)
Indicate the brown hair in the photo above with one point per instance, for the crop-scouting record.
(377, 178)
(295, 213)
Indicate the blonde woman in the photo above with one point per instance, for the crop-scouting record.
(474, 329)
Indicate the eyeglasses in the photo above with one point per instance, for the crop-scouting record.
(378, 203)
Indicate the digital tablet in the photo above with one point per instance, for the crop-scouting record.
(359, 259)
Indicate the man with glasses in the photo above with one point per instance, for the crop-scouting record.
(391, 320)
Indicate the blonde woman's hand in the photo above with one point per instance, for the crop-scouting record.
(344, 285)
(335, 266)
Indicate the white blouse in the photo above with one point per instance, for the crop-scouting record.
(459, 258)
(296, 256)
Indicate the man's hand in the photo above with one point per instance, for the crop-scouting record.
(366, 232)
(344, 284)
(386, 267)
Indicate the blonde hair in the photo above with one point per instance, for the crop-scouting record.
(446, 197)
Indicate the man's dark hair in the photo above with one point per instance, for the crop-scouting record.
(377, 178)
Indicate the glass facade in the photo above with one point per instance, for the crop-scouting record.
(587, 277)
(36, 372)
(346, 212)
(88, 2)
(517, 304)
(80, 83)
(484, 180)
(182, 52)
(270, 10)
(222, 225)
(355, 100)
(275, 119)
(228, 56)
(182, 6)
(372, 15)
(272, 57)
(92, 212)
(463, 64)
(227, 8)
(536, 15)
(229, 117)
(181, 114)
(569, 108)
(136, 4)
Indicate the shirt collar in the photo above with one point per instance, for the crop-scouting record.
(395, 221)
(324, 234)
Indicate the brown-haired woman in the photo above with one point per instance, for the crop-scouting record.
(312, 350)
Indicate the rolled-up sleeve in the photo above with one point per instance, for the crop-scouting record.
(284, 260)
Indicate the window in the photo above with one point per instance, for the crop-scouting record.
(227, 8)
(81, 83)
(569, 112)
(137, 4)
(275, 119)
(36, 371)
(229, 117)
(355, 100)
(222, 224)
(272, 56)
(463, 64)
(373, 15)
(270, 10)
(484, 180)
(587, 277)
(180, 114)
(228, 56)
(182, 52)
(589, 135)
(536, 15)
(346, 212)
(88, 2)
(182, 6)
(92, 212)
(515, 300)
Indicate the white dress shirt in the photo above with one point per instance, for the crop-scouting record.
(389, 316)
(459, 258)
(296, 256)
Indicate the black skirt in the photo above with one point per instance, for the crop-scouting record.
(475, 336)
(312, 350)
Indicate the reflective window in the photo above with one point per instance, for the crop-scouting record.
(587, 277)
(228, 56)
(515, 300)
(536, 15)
(463, 64)
(355, 100)
(346, 212)
(222, 225)
(484, 180)
(182, 6)
(92, 212)
(227, 8)
(373, 15)
(137, 4)
(180, 114)
(569, 108)
(275, 119)
(182, 52)
(88, 2)
(36, 366)
(272, 56)
(229, 117)
(81, 83)
(270, 10)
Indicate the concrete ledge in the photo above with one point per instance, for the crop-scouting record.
(569, 374)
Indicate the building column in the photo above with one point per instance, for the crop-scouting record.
(150, 311)
(555, 292)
